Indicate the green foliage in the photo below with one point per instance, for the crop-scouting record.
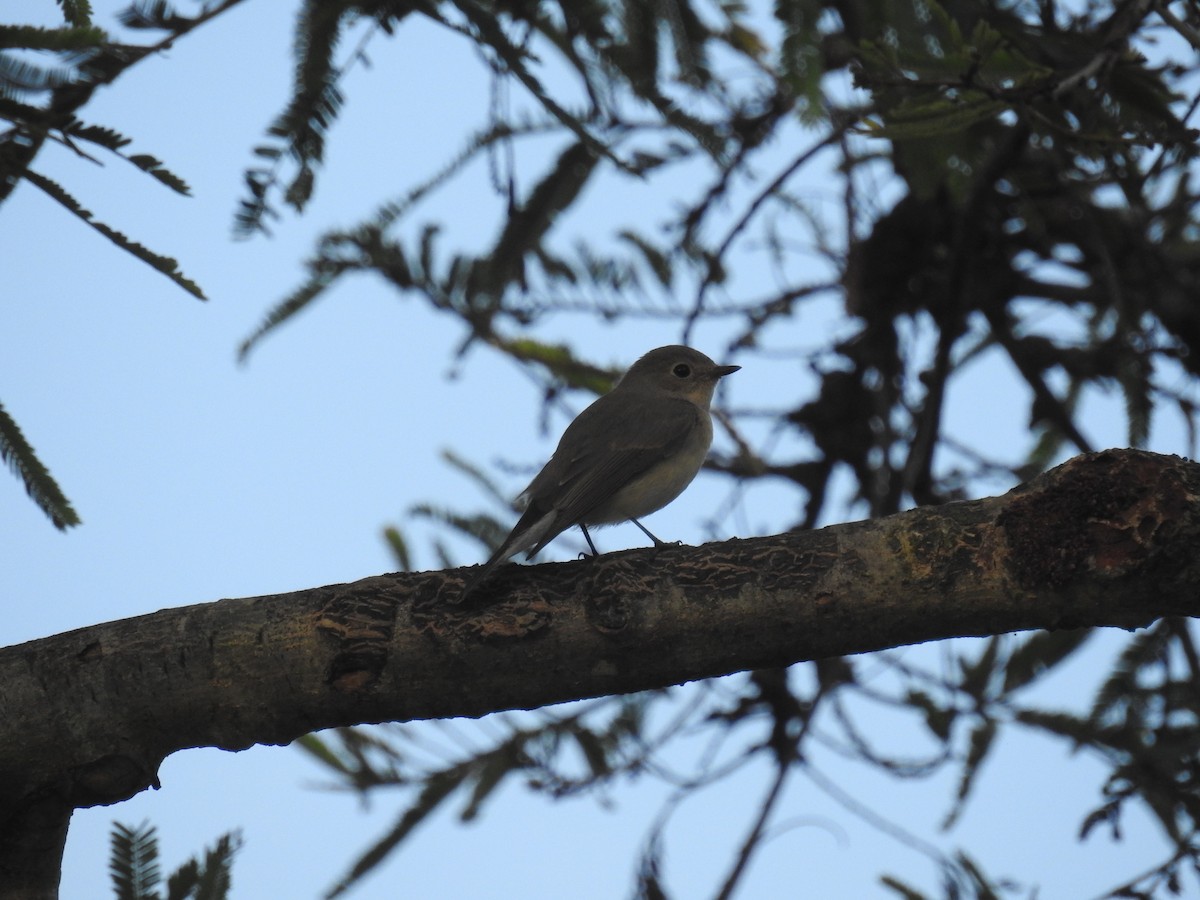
(207, 879)
(163, 264)
(402, 757)
(39, 484)
(398, 545)
(133, 862)
(1003, 133)
(992, 120)
(89, 58)
(38, 101)
(1038, 654)
(1008, 182)
(133, 866)
(19, 77)
(962, 879)
(300, 129)
(32, 37)
(983, 736)
(999, 135)
(589, 748)
(154, 14)
(76, 12)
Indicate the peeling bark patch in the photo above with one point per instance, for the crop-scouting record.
(616, 575)
(800, 567)
(361, 619)
(937, 550)
(511, 620)
(1103, 517)
(607, 607)
(716, 577)
(502, 609)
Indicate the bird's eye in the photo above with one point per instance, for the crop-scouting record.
(682, 370)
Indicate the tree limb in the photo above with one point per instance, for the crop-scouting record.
(1106, 539)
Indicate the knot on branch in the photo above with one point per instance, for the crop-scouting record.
(1099, 517)
(360, 618)
(110, 779)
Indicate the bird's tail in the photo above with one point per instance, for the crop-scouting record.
(525, 536)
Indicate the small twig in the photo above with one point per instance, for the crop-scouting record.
(756, 831)
(740, 225)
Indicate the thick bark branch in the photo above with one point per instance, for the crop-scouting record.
(1106, 539)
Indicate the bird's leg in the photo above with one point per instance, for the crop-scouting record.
(587, 537)
(646, 532)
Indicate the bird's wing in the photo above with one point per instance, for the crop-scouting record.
(584, 474)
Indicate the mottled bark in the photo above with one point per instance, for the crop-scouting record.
(1105, 539)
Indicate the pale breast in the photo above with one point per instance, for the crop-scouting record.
(661, 483)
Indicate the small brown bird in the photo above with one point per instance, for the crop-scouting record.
(630, 453)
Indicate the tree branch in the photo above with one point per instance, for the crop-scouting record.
(1105, 539)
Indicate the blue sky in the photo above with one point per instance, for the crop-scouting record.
(199, 479)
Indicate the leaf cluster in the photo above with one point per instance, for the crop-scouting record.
(1016, 183)
(134, 868)
(558, 755)
(1143, 722)
(47, 75)
(1041, 164)
(1011, 182)
(807, 724)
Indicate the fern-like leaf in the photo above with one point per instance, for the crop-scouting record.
(315, 103)
(656, 259)
(294, 303)
(933, 118)
(485, 529)
(149, 164)
(182, 883)
(398, 545)
(318, 748)
(491, 770)
(210, 879)
(905, 891)
(476, 474)
(133, 861)
(76, 12)
(982, 739)
(1063, 724)
(527, 226)
(216, 874)
(164, 264)
(55, 40)
(438, 786)
(39, 484)
(153, 14)
(1039, 653)
(562, 363)
(19, 78)
(114, 141)
(1118, 693)
(101, 135)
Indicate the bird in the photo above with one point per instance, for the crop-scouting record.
(628, 454)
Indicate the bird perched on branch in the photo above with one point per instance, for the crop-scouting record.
(627, 455)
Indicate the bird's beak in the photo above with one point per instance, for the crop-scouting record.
(722, 371)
